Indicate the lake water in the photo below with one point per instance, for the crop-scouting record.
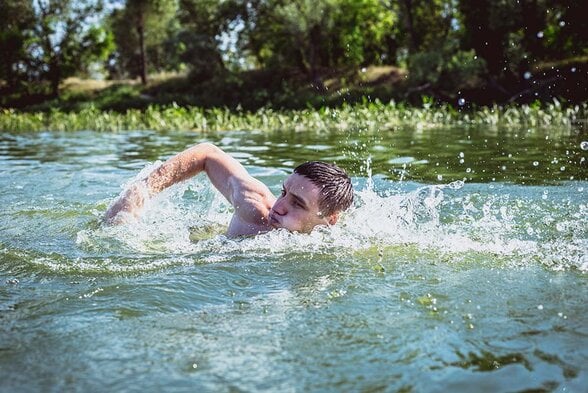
(461, 267)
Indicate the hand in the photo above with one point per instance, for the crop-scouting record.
(128, 205)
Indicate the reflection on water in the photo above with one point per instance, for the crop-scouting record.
(462, 263)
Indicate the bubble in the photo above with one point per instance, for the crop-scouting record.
(468, 170)
(540, 34)
(584, 145)
(461, 102)
(527, 75)
(535, 163)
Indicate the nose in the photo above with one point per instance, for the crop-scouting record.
(280, 207)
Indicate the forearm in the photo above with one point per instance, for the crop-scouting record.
(178, 168)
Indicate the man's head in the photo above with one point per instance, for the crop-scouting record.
(313, 195)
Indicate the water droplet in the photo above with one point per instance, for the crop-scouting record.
(540, 307)
(468, 170)
(439, 177)
(535, 163)
(562, 23)
(456, 185)
(461, 154)
(194, 366)
(503, 167)
(461, 161)
(563, 168)
(363, 69)
(573, 69)
(461, 102)
(527, 75)
(540, 34)
(584, 145)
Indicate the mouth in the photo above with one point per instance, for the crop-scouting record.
(273, 221)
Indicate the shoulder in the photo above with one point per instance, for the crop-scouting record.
(252, 200)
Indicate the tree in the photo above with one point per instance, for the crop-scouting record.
(66, 38)
(206, 27)
(15, 33)
(141, 29)
(312, 35)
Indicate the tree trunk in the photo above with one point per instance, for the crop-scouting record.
(142, 56)
(54, 76)
(413, 42)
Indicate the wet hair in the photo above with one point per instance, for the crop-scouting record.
(334, 183)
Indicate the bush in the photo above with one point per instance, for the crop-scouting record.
(446, 70)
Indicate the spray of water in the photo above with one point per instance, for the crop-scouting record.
(185, 224)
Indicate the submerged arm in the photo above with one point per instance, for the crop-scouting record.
(225, 173)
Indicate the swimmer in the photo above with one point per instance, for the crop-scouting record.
(314, 194)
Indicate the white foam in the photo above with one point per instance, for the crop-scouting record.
(444, 219)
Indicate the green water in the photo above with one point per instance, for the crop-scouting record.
(462, 267)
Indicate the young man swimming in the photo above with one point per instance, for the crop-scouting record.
(314, 194)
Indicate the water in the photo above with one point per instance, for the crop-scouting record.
(462, 264)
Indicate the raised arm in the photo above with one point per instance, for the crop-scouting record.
(243, 191)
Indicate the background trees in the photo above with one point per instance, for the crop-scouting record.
(50, 40)
(141, 30)
(446, 45)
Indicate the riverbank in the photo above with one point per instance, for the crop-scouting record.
(287, 89)
(365, 116)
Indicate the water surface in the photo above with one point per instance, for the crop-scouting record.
(462, 264)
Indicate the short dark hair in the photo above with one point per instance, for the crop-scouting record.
(334, 183)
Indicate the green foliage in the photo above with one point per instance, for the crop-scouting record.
(424, 23)
(369, 116)
(147, 21)
(446, 68)
(310, 35)
(50, 40)
(510, 36)
(15, 32)
(297, 48)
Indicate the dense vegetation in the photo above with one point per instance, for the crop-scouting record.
(291, 53)
(361, 117)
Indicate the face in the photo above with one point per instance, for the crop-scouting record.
(297, 208)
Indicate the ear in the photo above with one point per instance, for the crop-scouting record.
(332, 219)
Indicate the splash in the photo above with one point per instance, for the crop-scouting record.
(501, 223)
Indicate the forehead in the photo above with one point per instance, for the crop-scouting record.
(302, 187)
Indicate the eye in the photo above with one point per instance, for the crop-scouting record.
(283, 191)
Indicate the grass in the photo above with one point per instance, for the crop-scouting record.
(364, 116)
